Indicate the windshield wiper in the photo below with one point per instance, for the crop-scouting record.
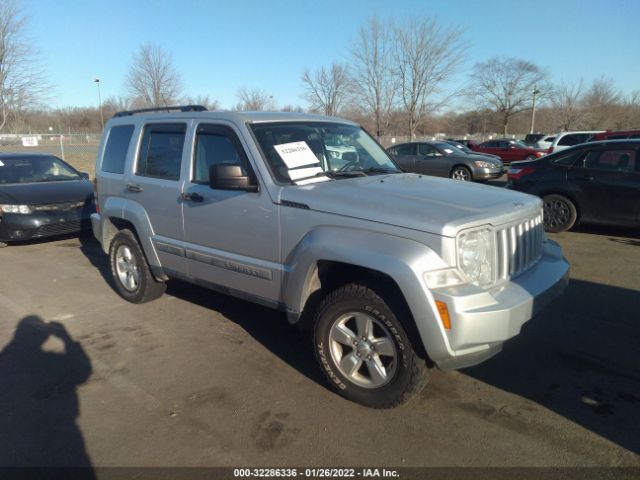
(338, 173)
(379, 170)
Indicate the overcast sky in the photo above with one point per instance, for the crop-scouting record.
(219, 45)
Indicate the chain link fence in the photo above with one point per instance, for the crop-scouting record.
(79, 150)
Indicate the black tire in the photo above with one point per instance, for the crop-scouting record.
(408, 372)
(560, 213)
(147, 288)
(462, 173)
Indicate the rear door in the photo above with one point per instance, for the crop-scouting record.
(405, 156)
(155, 186)
(607, 185)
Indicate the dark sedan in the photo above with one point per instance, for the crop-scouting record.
(443, 160)
(595, 182)
(41, 196)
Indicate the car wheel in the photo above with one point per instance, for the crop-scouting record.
(130, 271)
(531, 157)
(364, 350)
(460, 172)
(560, 213)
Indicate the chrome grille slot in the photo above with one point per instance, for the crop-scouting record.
(519, 247)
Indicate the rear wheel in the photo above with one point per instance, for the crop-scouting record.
(560, 213)
(460, 172)
(364, 350)
(130, 271)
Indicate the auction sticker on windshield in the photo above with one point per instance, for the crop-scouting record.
(296, 154)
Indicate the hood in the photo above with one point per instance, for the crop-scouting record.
(428, 204)
(493, 159)
(46, 192)
(485, 155)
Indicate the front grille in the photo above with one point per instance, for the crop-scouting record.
(519, 247)
(59, 207)
(58, 228)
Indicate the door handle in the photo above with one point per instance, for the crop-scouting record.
(192, 197)
(132, 187)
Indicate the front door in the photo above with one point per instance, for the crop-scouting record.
(432, 162)
(231, 235)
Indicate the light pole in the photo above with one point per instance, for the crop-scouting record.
(97, 82)
(533, 110)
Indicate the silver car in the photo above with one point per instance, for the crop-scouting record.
(442, 159)
(392, 272)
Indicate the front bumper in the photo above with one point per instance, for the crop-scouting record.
(18, 227)
(488, 173)
(481, 321)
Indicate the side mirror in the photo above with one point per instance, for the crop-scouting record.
(84, 175)
(230, 177)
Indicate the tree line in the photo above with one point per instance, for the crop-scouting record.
(397, 79)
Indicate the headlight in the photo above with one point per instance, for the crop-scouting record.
(335, 154)
(476, 256)
(23, 209)
(481, 164)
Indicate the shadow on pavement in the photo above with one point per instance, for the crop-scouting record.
(267, 326)
(579, 358)
(38, 399)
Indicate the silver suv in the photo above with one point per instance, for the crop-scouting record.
(393, 272)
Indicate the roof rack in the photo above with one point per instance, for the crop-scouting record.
(180, 108)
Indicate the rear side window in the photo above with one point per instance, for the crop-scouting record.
(115, 152)
(623, 160)
(567, 159)
(161, 151)
(574, 139)
(406, 149)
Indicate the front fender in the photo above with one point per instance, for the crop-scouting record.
(402, 259)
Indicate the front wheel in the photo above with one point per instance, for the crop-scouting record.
(364, 350)
(560, 213)
(461, 173)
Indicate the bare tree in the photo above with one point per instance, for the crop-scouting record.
(566, 100)
(426, 55)
(327, 89)
(153, 79)
(600, 102)
(254, 100)
(203, 100)
(506, 85)
(374, 83)
(22, 83)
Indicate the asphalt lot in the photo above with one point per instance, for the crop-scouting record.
(200, 379)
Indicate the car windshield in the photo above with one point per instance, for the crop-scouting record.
(321, 149)
(520, 143)
(35, 169)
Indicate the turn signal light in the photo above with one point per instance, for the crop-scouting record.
(444, 314)
(516, 173)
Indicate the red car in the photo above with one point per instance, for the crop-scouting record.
(509, 150)
(615, 135)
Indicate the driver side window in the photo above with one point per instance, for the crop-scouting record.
(214, 146)
(426, 150)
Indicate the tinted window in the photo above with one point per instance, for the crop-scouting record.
(115, 152)
(161, 151)
(567, 159)
(616, 137)
(490, 144)
(427, 150)
(574, 139)
(611, 160)
(215, 146)
(406, 149)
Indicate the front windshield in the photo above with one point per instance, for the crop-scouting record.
(340, 150)
(461, 147)
(520, 143)
(35, 169)
(446, 148)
